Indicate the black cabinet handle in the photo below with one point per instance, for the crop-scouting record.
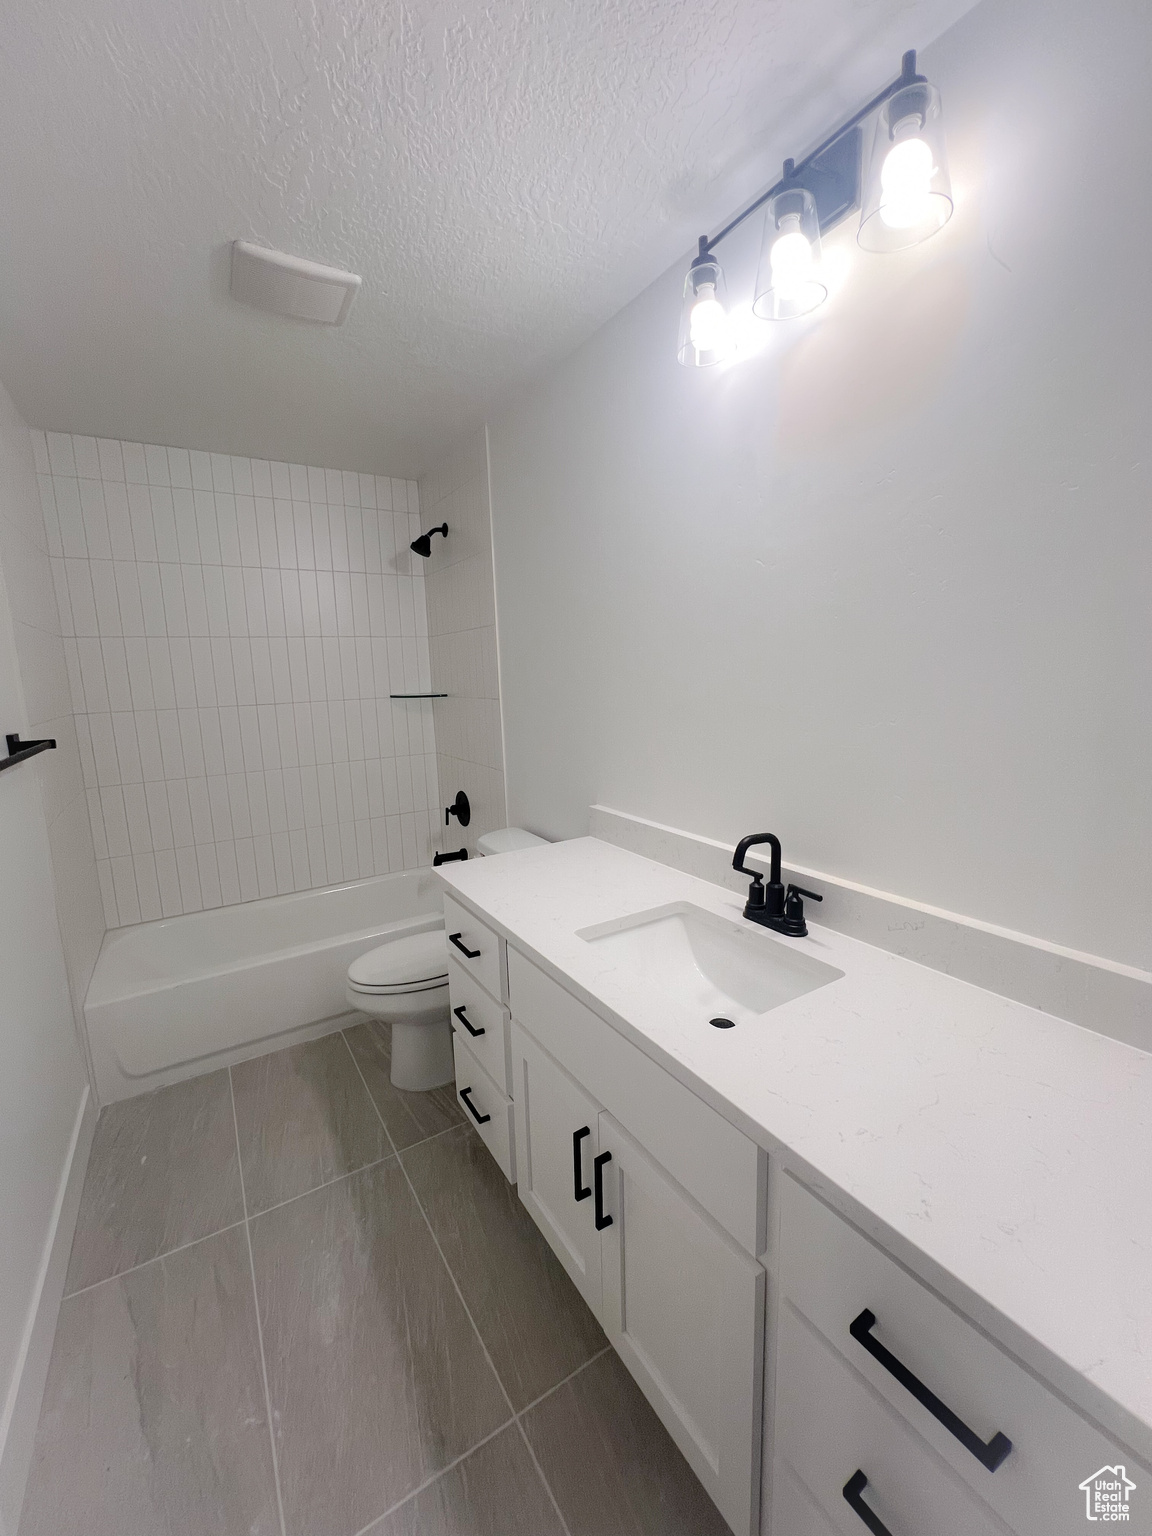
(471, 1028)
(602, 1221)
(990, 1455)
(472, 954)
(580, 1191)
(852, 1491)
(471, 1108)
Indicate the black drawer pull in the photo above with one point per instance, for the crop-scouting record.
(990, 1455)
(602, 1221)
(471, 1028)
(471, 1108)
(472, 954)
(852, 1491)
(579, 1191)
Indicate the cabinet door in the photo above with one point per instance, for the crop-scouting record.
(684, 1308)
(557, 1141)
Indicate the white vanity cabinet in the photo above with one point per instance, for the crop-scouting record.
(683, 1307)
(557, 1142)
(876, 1373)
(817, 1384)
(681, 1302)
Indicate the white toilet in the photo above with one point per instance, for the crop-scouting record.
(405, 983)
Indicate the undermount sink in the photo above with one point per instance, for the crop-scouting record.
(705, 962)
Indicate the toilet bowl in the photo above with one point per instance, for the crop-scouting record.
(405, 983)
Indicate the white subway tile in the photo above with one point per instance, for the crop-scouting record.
(164, 522)
(229, 874)
(124, 881)
(261, 479)
(191, 745)
(73, 542)
(189, 876)
(60, 455)
(159, 815)
(156, 465)
(171, 749)
(246, 869)
(136, 815)
(201, 464)
(222, 472)
(135, 468)
(40, 452)
(265, 865)
(143, 526)
(180, 811)
(168, 880)
(179, 469)
(114, 820)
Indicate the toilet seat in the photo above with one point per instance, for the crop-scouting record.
(417, 963)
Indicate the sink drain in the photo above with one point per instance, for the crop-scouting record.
(722, 1023)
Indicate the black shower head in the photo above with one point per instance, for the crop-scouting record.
(423, 545)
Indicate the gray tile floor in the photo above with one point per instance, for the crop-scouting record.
(303, 1303)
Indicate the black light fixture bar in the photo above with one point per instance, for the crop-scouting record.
(794, 172)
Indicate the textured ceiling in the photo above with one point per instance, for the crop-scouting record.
(506, 176)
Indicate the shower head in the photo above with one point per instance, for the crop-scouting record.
(423, 545)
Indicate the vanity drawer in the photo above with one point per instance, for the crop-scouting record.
(489, 1111)
(482, 1024)
(473, 945)
(830, 1426)
(718, 1165)
(832, 1273)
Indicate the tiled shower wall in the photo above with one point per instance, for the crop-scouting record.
(462, 639)
(232, 630)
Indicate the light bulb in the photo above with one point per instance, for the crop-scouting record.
(791, 258)
(708, 323)
(906, 183)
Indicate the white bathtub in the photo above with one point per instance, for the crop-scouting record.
(181, 996)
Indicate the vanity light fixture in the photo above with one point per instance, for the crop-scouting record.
(788, 280)
(705, 330)
(907, 197)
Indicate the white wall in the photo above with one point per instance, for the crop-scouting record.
(462, 640)
(232, 630)
(884, 587)
(43, 1083)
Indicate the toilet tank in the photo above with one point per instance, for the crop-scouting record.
(507, 840)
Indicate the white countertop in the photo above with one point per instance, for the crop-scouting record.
(1012, 1149)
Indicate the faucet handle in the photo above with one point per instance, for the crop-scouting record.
(798, 890)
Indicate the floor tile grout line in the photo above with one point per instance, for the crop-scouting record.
(436, 1476)
(256, 1307)
(399, 1151)
(563, 1382)
(338, 1178)
(540, 1474)
(371, 1100)
(156, 1258)
(471, 1319)
(499, 1430)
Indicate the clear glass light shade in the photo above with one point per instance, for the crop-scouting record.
(907, 193)
(705, 326)
(788, 279)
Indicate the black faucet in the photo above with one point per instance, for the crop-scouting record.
(772, 906)
(448, 858)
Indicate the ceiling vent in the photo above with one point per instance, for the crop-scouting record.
(289, 285)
